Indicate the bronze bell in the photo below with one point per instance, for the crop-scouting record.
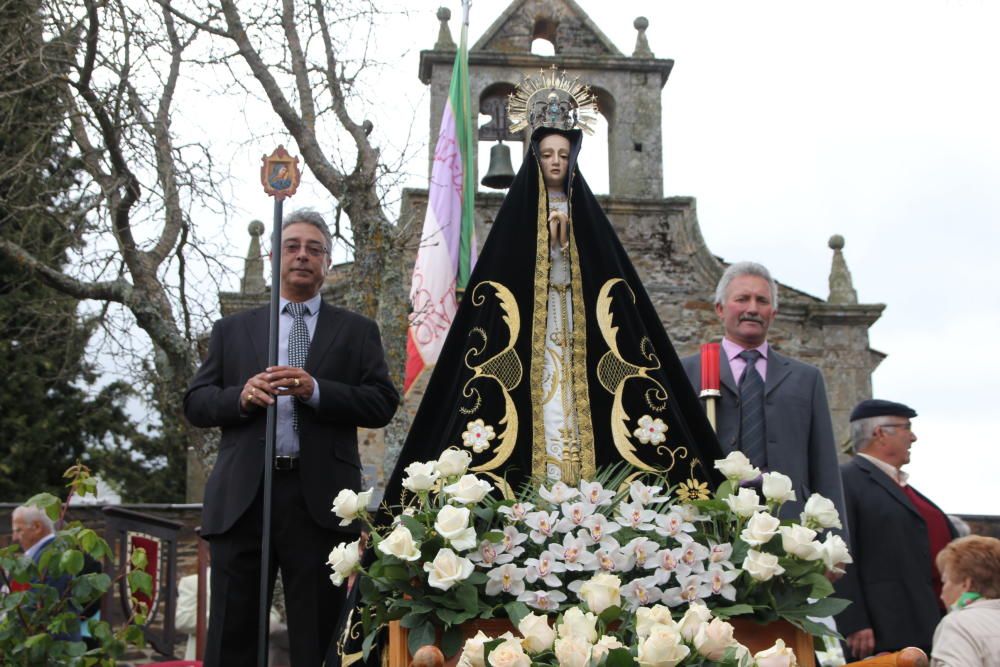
(501, 173)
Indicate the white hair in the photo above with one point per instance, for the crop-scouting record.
(33, 515)
(309, 217)
(863, 430)
(745, 269)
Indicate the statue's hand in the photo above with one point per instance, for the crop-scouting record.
(558, 230)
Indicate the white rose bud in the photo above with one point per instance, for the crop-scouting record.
(452, 523)
(778, 655)
(694, 618)
(509, 654)
(575, 623)
(835, 553)
(447, 569)
(761, 566)
(799, 541)
(573, 651)
(603, 645)
(737, 467)
(647, 617)
(662, 648)
(820, 512)
(472, 651)
(453, 462)
(349, 505)
(760, 529)
(400, 544)
(420, 476)
(714, 638)
(468, 490)
(343, 559)
(538, 635)
(777, 488)
(744, 503)
(601, 592)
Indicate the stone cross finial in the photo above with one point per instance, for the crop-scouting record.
(253, 265)
(841, 286)
(445, 42)
(641, 44)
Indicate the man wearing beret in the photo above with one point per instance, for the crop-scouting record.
(896, 533)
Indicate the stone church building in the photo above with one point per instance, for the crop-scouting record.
(661, 234)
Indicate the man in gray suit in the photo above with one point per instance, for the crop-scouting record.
(773, 408)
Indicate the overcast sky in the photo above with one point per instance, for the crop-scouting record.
(791, 121)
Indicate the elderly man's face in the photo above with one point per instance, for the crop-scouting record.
(27, 533)
(895, 440)
(305, 260)
(747, 312)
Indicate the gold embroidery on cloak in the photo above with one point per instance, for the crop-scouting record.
(539, 315)
(581, 385)
(504, 368)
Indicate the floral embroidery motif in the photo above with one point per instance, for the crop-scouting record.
(477, 436)
(650, 431)
(692, 490)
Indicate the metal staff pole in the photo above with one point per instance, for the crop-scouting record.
(280, 178)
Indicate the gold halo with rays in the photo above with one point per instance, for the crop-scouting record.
(552, 99)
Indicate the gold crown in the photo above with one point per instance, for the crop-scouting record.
(553, 100)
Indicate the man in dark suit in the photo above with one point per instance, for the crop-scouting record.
(784, 425)
(331, 379)
(896, 533)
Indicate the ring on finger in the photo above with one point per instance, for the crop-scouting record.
(297, 383)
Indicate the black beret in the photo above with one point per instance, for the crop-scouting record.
(876, 407)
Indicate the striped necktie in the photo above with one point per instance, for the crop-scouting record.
(753, 434)
(298, 346)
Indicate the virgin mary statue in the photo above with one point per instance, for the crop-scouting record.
(556, 364)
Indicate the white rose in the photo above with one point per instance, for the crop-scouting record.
(453, 462)
(538, 635)
(452, 523)
(575, 623)
(663, 647)
(760, 529)
(509, 654)
(647, 617)
(714, 638)
(447, 569)
(603, 645)
(798, 541)
(601, 592)
(349, 505)
(694, 618)
(573, 651)
(472, 651)
(744, 503)
(834, 553)
(820, 512)
(343, 559)
(400, 544)
(420, 476)
(468, 489)
(761, 566)
(778, 655)
(777, 487)
(737, 467)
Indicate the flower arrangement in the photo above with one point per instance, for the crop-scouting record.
(620, 547)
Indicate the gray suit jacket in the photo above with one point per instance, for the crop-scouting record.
(799, 429)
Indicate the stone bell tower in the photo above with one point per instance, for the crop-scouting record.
(661, 234)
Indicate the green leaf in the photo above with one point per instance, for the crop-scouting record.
(610, 614)
(732, 610)
(827, 607)
(477, 578)
(139, 559)
(812, 627)
(71, 562)
(494, 536)
(725, 489)
(416, 528)
(47, 502)
(619, 657)
(140, 582)
(467, 596)
(451, 641)
(484, 513)
(366, 645)
(413, 620)
(821, 586)
(35, 640)
(420, 636)
(447, 616)
(516, 611)
(396, 572)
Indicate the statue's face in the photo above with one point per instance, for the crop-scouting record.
(554, 158)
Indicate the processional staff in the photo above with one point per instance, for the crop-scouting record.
(710, 384)
(279, 174)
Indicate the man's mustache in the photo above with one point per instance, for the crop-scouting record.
(752, 318)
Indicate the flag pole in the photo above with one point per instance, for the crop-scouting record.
(279, 174)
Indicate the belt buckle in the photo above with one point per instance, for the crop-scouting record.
(286, 462)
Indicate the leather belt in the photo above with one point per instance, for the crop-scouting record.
(286, 462)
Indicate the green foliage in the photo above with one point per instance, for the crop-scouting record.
(41, 625)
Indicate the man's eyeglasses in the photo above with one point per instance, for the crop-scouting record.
(293, 248)
(904, 425)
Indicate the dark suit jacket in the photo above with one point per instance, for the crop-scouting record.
(799, 430)
(889, 584)
(346, 359)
